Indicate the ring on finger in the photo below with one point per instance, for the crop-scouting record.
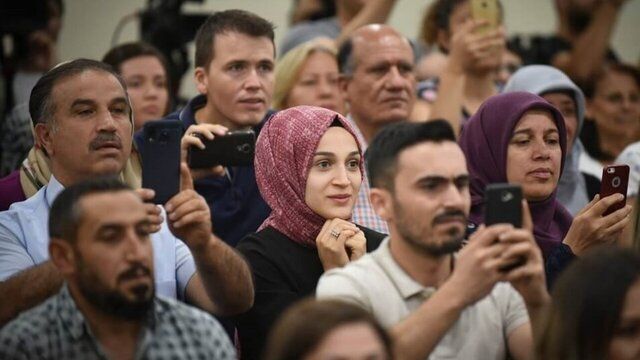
(335, 233)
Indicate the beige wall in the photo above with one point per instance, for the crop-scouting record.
(89, 24)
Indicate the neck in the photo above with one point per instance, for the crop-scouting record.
(478, 88)
(210, 115)
(427, 270)
(367, 129)
(118, 337)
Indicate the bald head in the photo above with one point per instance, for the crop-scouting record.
(376, 64)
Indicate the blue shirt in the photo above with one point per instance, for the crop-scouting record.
(24, 242)
(237, 207)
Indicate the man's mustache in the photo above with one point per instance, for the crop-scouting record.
(134, 272)
(105, 138)
(450, 215)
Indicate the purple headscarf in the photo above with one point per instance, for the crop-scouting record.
(485, 140)
(284, 155)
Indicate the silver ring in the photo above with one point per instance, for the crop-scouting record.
(335, 233)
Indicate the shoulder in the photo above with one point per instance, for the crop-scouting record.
(351, 282)
(374, 238)
(30, 327)
(15, 216)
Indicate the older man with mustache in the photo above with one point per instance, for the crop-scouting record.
(83, 122)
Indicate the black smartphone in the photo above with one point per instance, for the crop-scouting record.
(504, 206)
(615, 179)
(161, 158)
(235, 148)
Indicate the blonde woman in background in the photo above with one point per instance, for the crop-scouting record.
(308, 75)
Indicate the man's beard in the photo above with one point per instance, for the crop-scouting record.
(112, 302)
(409, 229)
(578, 20)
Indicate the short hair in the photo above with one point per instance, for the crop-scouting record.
(346, 63)
(382, 153)
(65, 214)
(127, 51)
(304, 325)
(41, 106)
(591, 85)
(587, 301)
(222, 22)
(289, 66)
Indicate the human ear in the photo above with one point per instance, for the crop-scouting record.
(382, 203)
(62, 255)
(43, 133)
(202, 82)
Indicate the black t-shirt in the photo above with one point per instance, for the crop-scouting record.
(283, 273)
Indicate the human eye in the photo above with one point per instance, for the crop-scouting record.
(236, 67)
(120, 109)
(353, 164)
(405, 69)
(553, 139)
(308, 82)
(462, 183)
(265, 67)
(615, 98)
(323, 164)
(134, 83)
(160, 83)
(85, 111)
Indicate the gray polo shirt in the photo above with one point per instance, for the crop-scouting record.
(377, 283)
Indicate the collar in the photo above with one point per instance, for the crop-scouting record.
(406, 286)
(53, 189)
(188, 114)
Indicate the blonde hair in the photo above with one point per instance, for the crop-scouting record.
(289, 66)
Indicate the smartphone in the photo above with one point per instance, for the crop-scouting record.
(161, 158)
(504, 206)
(615, 179)
(235, 148)
(487, 10)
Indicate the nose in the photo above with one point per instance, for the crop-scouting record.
(136, 250)
(151, 91)
(340, 177)
(454, 197)
(107, 122)
(541, 150)
(252, 81)
(395, 79)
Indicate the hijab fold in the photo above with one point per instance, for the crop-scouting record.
(284, 155)
(485, 141)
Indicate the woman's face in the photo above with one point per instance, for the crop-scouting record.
(147, 87)
(357, 341)
(334, 178)
(317, 84)
(567, 107)
(534, 155)
(625, 344)
(615, 106)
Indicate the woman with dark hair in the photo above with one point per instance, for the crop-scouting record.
(520, 138)
(309, 168)
(328, 329)
(595, 311)
(145, 72)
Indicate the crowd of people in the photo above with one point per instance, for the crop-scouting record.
(360, 229)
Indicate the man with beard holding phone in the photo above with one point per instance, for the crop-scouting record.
(107, 307)
(439, 304)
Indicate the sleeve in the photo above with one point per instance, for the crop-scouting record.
(13, 254)
(631, 156)
(220, 346)
(12, 346)
(559, 259)
(340, 285)
(185, 267)
(513, 308)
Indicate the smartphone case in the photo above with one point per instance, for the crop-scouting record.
(161, 158)
(503, 204)
(615, 179)
(235, 148)
(486, 10)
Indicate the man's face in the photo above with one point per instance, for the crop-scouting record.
(382, 87)
(239, 80)
(431, 197)
(114, 256)
(91, 130)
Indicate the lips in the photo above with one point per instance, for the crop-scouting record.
(340, 198)
(541, 173)
(151, 109)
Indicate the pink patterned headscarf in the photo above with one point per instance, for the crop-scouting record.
(284, 155)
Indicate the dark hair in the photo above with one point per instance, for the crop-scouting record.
(304, 325)
(127, 51)
(41, 106)
(65, 214)
(382, 153)
(587, 302)
(345, 57)
(222, 22)
(591, 85)
(437, 18)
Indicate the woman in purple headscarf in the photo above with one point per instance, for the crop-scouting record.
(309, 168)
(521, 138)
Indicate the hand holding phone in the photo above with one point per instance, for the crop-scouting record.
(486, 10)
(235, 148)
(504, 206)
(615, 179)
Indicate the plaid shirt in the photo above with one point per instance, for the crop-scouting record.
(56, 329)
(363, 213)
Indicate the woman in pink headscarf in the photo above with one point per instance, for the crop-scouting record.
(309, 168)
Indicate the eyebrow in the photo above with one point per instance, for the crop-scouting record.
(327, 153)
(528, 131)
(442, 178)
